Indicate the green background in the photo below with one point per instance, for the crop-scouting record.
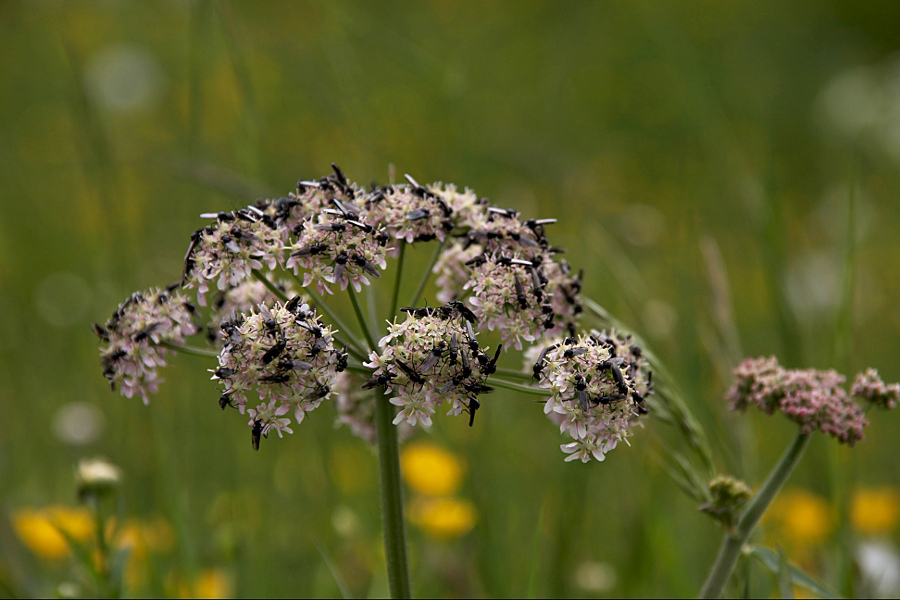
(726, 174)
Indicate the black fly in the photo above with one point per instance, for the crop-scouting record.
(573, 352)
(433, 356)
(583, 396)
(366, 266)
(490, 367)
(538, 367)
(310, 250)
(454, 348)
(413, 375)
(225, 401)
(273, 352)
(520, 292)
(256, 433)
(340, 266)
(473, 406)
(275, 378)
(377, 380)
(462, 310)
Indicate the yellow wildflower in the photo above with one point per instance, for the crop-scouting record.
(442, 517)
(875, 511)
(39, 529)
(803, 517)
(430, 470)
(209, 583)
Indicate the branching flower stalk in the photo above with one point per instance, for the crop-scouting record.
(263, 277)
(816, 401)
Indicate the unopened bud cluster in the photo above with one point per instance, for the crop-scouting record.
(598, 383)
(868, 386)
(815, 400)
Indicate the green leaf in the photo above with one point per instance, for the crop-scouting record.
(785, 588)
(772, 561)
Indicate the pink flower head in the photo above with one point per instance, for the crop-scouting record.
(130, 348)
(815, 400)
(869, 386)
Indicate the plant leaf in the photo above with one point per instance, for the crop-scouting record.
(771, 561)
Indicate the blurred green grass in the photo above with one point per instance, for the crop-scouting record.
(644, 127)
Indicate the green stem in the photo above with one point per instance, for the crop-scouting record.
(426, 275)
(355, 347)
(514, 374)
(395, 296)
(361, 318)
(271, 286)
(190, 350)
(735, 540)
(391, 499)
(518, 387)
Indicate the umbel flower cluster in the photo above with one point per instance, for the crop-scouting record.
(432, 358)
(281, 355)
(597, 383)
(815, 400)
(286, 355)
(131, 347)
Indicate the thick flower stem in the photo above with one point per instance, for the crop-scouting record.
(734, 541)
(392, 519)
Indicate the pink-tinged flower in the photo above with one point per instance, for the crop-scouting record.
(869, 386)
(413, 213)
(524, 299)
(338, 247)
(130, 348)
(241, 299)
(224, 254)
(598, 383)
(270, 416)
(286, 354)
(815, 400)
(431, 359)
(508, 268)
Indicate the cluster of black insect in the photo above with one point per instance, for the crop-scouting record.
(454, 367)
(604, 369)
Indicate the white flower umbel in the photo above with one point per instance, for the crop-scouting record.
(598, 383)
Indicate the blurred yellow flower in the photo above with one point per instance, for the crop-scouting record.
(430, 470)
(140, 538)
(801, 516)
(875, 511)
(442, 517)
(39, 529)
(209, 583)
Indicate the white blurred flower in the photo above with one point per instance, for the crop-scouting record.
(862, 104)
(78, 423)
(595, 576)
(124, 79)
(879, 565)
(96, 477)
